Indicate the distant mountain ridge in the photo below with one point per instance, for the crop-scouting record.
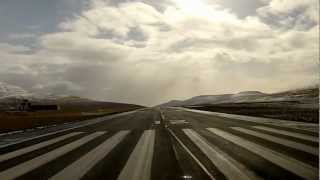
(309, 95)
(11, 95)
(8, 90)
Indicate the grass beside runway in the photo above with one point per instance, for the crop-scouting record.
(293, 111)
(14, 121)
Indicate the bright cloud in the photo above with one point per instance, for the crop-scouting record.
(147, 53)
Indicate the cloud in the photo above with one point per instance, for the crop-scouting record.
(8, 48)
(118, 20)
(149, 52)
(60, 87)
(21, 36)
(75, 46)
(289, 14)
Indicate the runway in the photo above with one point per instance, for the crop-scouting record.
(158, 144)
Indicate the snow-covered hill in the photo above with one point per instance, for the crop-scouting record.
(8, 90)
(308, 95)
(11, 96)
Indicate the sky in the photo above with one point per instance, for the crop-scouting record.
(148, 52)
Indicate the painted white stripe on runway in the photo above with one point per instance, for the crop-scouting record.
(25, 150)
(32, 164)
(285, 142)
(228, 166)
(80, 167)
(36, 137)
(138, 166)
(288, 133)
(178, 122)
(193, 156)
(297, 167)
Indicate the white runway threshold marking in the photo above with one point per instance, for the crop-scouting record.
(80, 167)
(285, 142)
(25, 150)
(288, 133)
(193, 156)
(178, 122)
(296, 167)
(138, 166)
(228, 166)
(36, 137)
(32, 164)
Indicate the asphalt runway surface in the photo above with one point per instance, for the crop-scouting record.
(162, 144)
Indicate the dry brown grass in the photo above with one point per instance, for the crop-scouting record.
(10, 121)
(278, 110)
